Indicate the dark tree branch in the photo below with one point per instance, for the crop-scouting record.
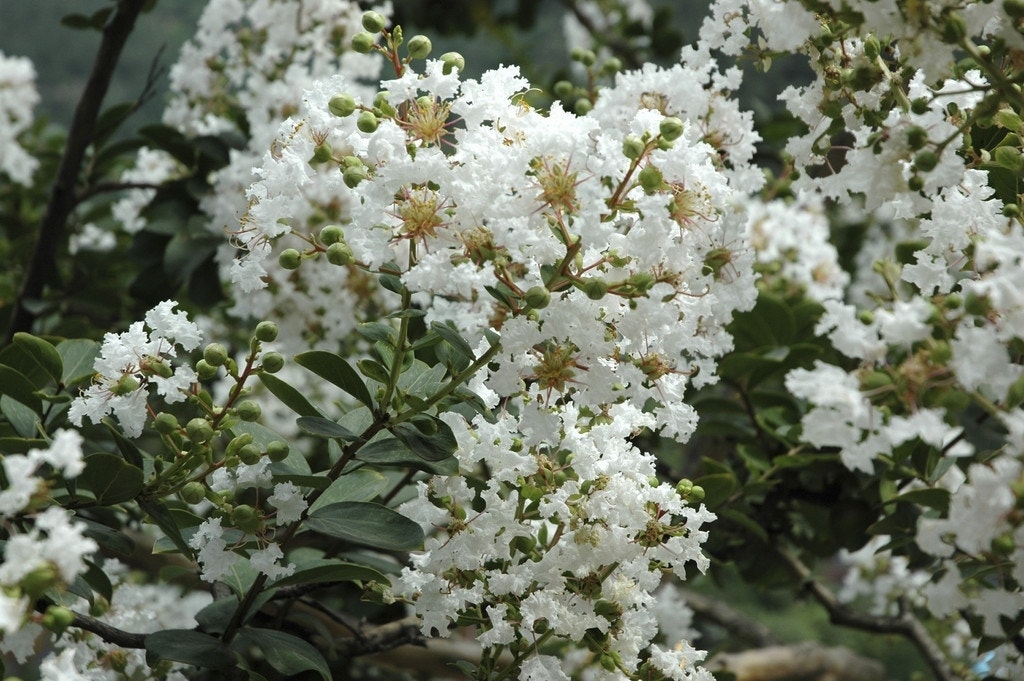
(62, 196)
(905, 625)
(739, 625)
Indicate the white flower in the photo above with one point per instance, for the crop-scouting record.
(288, 501)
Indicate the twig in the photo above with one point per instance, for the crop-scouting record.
(62, 196)
(732, 620)
(905, 624)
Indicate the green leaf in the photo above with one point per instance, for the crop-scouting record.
(374, 370)
(422, 380)
(286, 653)
(13, 384)
(291, 397)
(129, 451)
(933, 497)
(42, 354)
(324, 570)
(367, 524)
(318, 426)
(377, 331)
(189, 646)
(162, 518)
(386, 450)
(77, 356)
(440, 445)
(170, 140)
(359, 485)
(111, 480)
(452, 337)
(110, 119)
(717, 487)
(23, 419)
(107, 537)
(744, 521)
(336, 370)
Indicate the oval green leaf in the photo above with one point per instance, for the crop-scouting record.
(367, 524)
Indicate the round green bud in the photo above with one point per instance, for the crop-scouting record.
(353, 175)
(57, 619)
(277, 451)
(874, 380)
(374, 22)
(165, 423)
(215, 354)
(351, 162)
(273, 362)
(684, 487)
(919, 106)
(866, 317)
(125, 385)
(915, 183)
(332, 234)
(452, 61)
(322, 153)
(595, 288)
(340, 254)
(363, 42)
(419, 47)
(36, 582)
(537, 297)
(266, 332)
(563, 89)
(1011, 210)
(917, 137)
(237, 443)
(249, 410)
(342, 105)
(583, 106)
(249, 454)
(192, 492)
(696, 494)
(671, 128)
(872, 47)
(246, 518)
(585, 57)
(205, 371)
(199, 430)
(612, 66)
(367, 122)
(926, 160)
(290, 259)
(633, 147)
(155, 366)
(650, 178)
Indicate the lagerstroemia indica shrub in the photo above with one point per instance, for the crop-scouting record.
(478, 325)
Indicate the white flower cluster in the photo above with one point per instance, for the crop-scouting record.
(18, 96)
(131, 361)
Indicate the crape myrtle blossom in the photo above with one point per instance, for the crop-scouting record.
(617, 251)
(18, 96)
(130, 362)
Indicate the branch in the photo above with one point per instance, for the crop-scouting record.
(905, 624)
(738, 624)
(62, 195)
(803, 662)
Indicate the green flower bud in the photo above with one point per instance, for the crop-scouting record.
(249, 410)
(193, 492)
(353, 175)
(954, 28)
(36, 582)
(419, 47)
(919, 106)
(277, 451)
(874, 380)
(915, 183)
(374, 22)
(452, 60)
(563, 89)
(696, 494)
(585, 57)
(367, 122)
(583, 106)
(342, 105)
(322, 153)
(246, 518)
(266, 332)
(872, 48)
(650, 179)
(612, 66)
(926, 160)
(332, 234)
(165, 423)
(671, 128)
(595, 288)
(340, 254)
(352, 162)
(633, 147)
(205, 371)
(57, 619)
(155, 366)
(215, 354)
(249, 454)
(363, 42)
(199, 430)
(290, 259)
(125, 385)
(1011, 210)
(273, 362)
(537, 297)
(917, 137)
